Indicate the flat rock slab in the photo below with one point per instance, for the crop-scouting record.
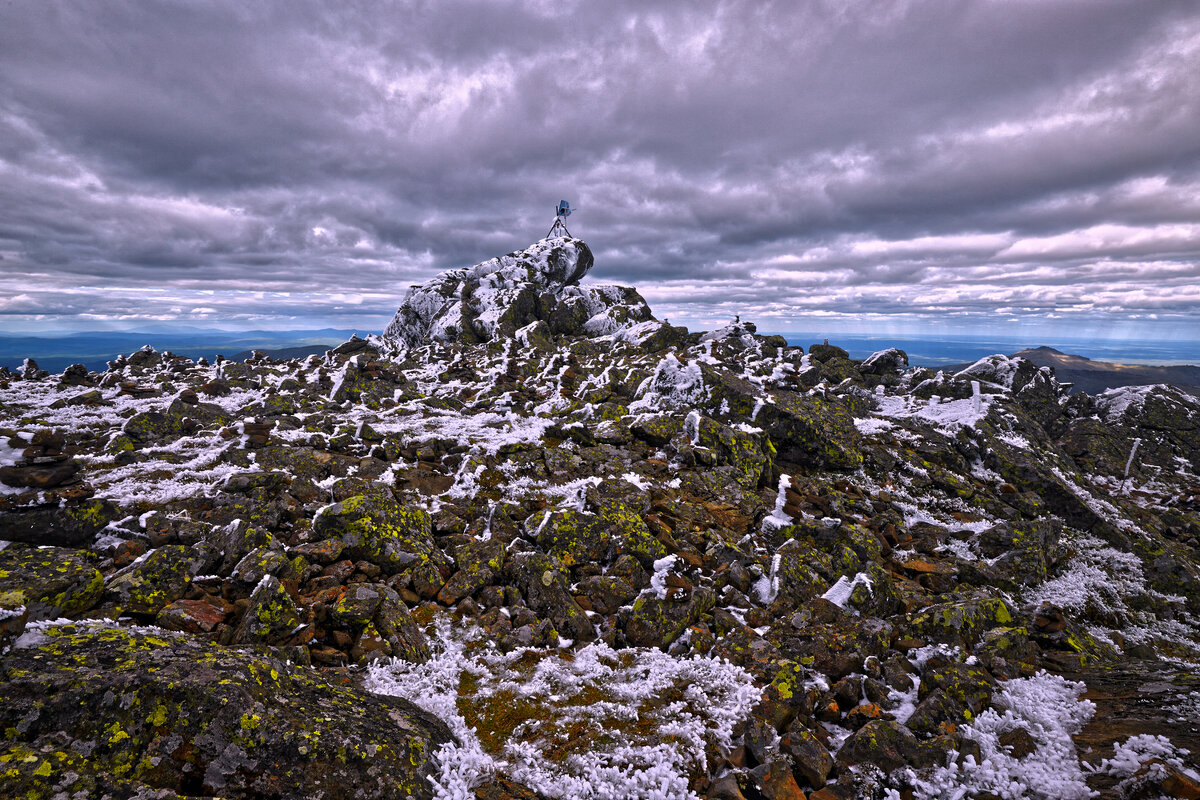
(1134, 698)
(117, 710)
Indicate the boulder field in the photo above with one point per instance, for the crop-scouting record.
(534, 542)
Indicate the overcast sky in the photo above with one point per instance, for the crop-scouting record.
(1017, 165)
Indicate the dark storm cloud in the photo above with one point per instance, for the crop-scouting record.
(287, 161)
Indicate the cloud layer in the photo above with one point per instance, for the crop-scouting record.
(856, 165)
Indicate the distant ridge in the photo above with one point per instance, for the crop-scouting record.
(1097, 376)
(285, 352)
(94, 349)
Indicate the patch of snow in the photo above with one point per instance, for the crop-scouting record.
(949, 416)
(1115, 403)
(673, 385)
(871, 425)
(779, 518)
(766, 588)
(839, 593)
(658, 581)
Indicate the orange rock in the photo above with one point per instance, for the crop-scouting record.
(827, 793)
(191, 616)
(861, 715)
(920, 566)
(775, 781)
(829, 712)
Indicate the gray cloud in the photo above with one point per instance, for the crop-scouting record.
(855, 162)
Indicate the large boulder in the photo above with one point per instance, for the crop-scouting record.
(157, 579)
(69, 525)
(812, 431)
(50, 582)
(374, 527)
(111, 712)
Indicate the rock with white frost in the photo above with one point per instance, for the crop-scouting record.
(498, 297)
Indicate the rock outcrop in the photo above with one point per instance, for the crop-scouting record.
(498, 299)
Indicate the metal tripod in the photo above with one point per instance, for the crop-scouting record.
(558, 226)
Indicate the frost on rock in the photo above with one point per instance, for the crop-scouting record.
(673, 385)
(1116, 404)
(598, 723)
(1142, 761)
(839, 594)
(1049, 708)
(502, 295)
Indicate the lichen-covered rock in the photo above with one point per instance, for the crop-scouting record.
(935, 712)
(574, 537)
(827, 351)
(1021, 554)
(961, 623)
(607, 593)
(51, 582)
(263, 561)
(883, 743)
(367, 604)
(479, 561)
(117, 710)
(811, 762)
(543, 582)
(812, 432)
(657, 622)
(179, 417)
(162, 576)
(271, 617)
(70, 525)
(657, 429)
(376, 528)
(747, 453)
(630, 534)
(969, 684)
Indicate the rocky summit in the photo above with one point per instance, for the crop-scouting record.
(532, 542)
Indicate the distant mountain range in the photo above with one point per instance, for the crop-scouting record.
(286, 352)
(1093, 377)
(94, 349)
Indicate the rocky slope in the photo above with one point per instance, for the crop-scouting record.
(533, 542)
